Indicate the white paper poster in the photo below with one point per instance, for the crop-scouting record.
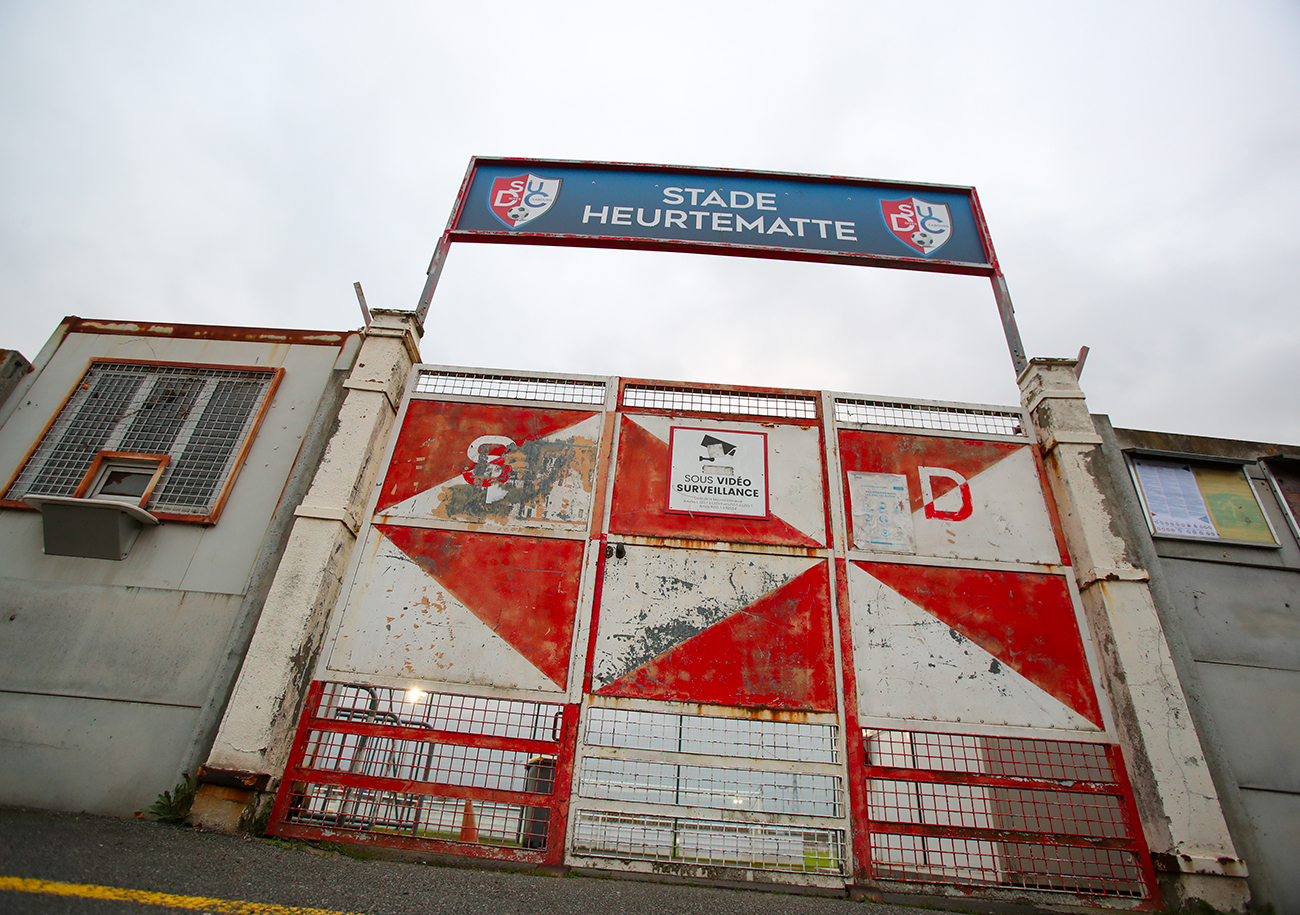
(1174, 500)
(718, 472)
(882, 513)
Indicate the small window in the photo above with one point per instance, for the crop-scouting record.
(163, 437)
(120, 477)
(1200, 500)
(1284, 474)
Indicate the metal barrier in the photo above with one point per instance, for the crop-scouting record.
(1040, 815)
(450, 774)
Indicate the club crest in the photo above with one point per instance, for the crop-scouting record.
(519, 200)
(923, 227)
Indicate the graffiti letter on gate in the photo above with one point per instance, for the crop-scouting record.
(927, 494)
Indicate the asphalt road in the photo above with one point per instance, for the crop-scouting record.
(268, 876)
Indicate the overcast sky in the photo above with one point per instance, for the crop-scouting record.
(244, 163)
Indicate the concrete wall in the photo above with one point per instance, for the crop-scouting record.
(1185, 829)
(13, 368)
(1231, 613)
(113, 674)
(255, 734)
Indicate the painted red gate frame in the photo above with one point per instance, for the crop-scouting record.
(557, 802)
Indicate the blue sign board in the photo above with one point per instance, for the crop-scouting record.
(756, 214)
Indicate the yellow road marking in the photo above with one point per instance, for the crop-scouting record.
(144, 897)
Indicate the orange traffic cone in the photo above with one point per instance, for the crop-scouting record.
(468, 824)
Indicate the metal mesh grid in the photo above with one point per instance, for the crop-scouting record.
(928, 416)
(198, 416)
(366, 810)
(1064, 813)
(699, 786)
(710, 400)
(758, 846)
(712, 736)
(1049, 868)
(441, 711)
(511, 387)
(213, 443)
(1017, 757)
(1005, 811)
(429, 762)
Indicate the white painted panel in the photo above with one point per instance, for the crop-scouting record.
(1008, 520)
(912, 665)
(654, 599)
(794, 467)
(401, 622)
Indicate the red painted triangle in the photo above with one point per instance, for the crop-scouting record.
(887, 452)
(524, 588)
(1025, 620)
(775, 653)
(436, 435)
(641, 501)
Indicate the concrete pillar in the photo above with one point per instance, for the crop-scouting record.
(1176, 799)
(252, 746)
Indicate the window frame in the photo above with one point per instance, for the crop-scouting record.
(253, 419)
(1279, 493)
(106, 461)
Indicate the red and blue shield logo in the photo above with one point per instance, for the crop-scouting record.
(520, 199)
(923, 227)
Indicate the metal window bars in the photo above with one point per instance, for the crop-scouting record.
(939, 417)
(731, 401)
(777, 800)
(199, 416)
(710, 735)
(709, 843)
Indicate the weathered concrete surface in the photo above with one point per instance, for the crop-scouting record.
(113, 673)
(1182, 818)
(1232, 621)
(256, 731)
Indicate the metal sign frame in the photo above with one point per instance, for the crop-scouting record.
(468, 224)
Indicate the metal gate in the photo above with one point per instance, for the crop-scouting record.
(742, 634)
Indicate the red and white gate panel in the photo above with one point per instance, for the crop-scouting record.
(736, 629)
(493, 465)
(462, 608)
(946, 497)
(974, 646)
(655, 453)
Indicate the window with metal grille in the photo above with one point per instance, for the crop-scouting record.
(201, 417)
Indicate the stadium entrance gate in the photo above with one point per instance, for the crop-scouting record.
(758, 635)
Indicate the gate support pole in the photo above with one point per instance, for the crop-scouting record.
(1176, 799)
(252, 746)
